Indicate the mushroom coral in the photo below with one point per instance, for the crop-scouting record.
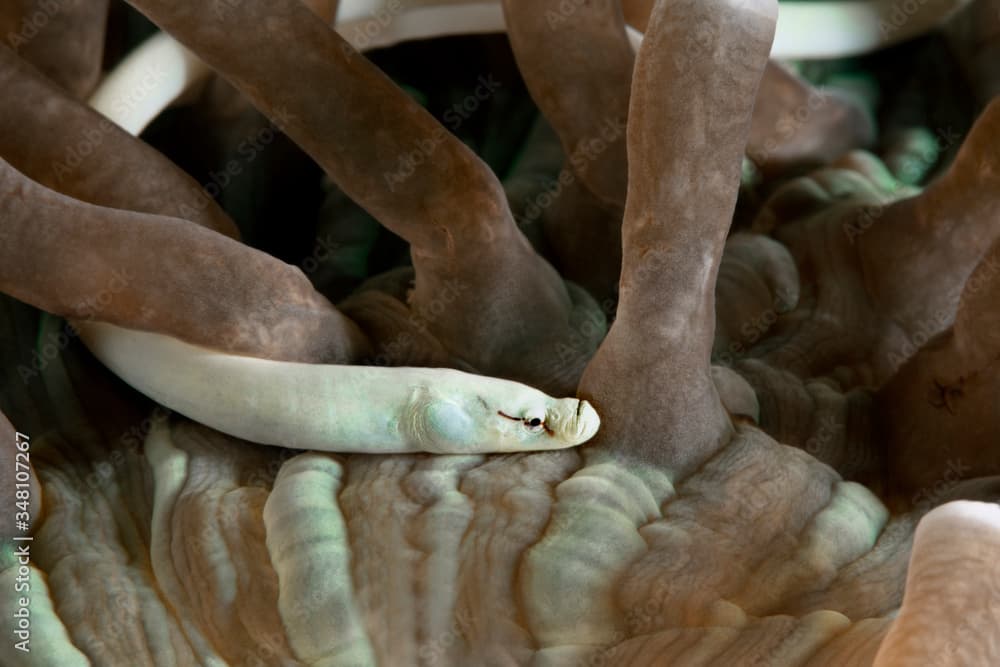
(681, 533)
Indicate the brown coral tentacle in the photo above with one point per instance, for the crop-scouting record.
(161, 274)
(395, 160)
(796, 125)
(361, 128)
(918, 255)
(693, 90)
(578, 67)
(64, 39)
(938, 413)
(884, 264)
(952, 604)
(577, 63)
(61, 143)
(324, 9)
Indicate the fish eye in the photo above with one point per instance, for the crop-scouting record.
(534, 423)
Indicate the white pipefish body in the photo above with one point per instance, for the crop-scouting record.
(340, 408)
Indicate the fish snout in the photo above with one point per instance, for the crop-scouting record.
(579, 422)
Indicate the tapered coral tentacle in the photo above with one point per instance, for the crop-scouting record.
(938, 413)
(161, 274)
(578, 67)
(65, 40)
(350, 117)
(324, 9)
(951, 608)
(391, 156)
(61, 143)
(693, 91)
(977, 322)
(894, 265)
(796, 125)
(266, 308)
(974, 37)
(918, 253)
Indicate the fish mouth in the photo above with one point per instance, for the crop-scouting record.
(582, 425)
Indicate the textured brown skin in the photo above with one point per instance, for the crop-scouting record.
(796, 125)
(452, 210)
(974, 36)
(583, 98)
(62, 38)
(757, 282)
(162, 274)
(907, 309)
(154, 275)
(688, 124)
(932, 242)
(324, 9)
(885, 273)
(790, 129)
(579, 94)
(939, 413)
(65, 145)
(838, 427)
(637, 13)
